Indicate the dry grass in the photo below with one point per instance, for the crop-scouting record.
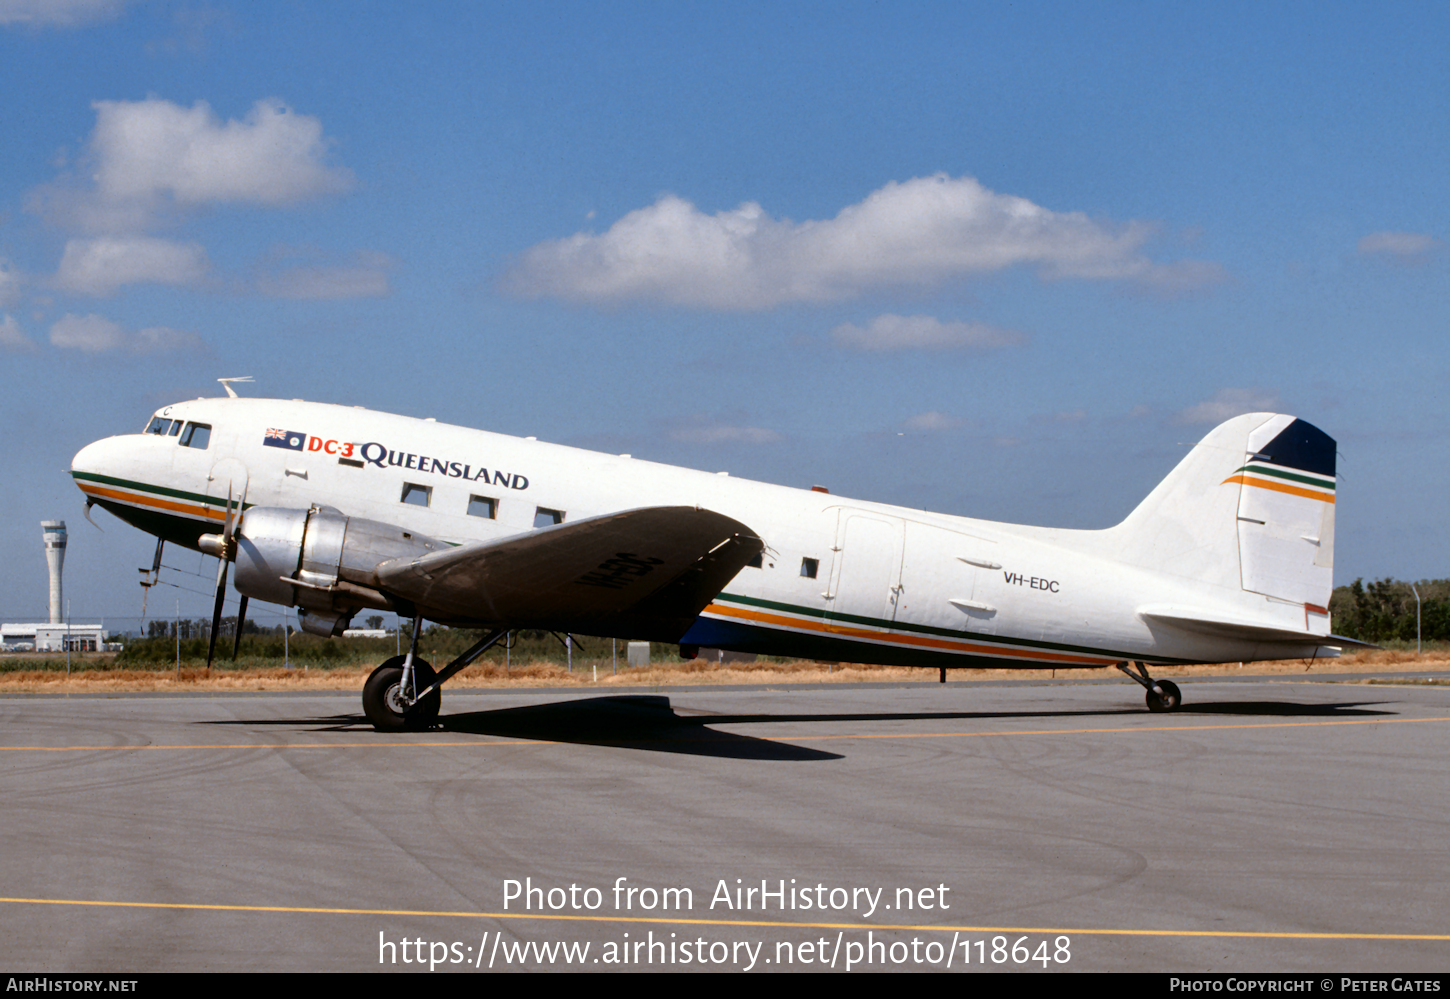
(96, 674)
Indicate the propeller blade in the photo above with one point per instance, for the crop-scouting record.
(216, 614)
(153, 576)
(227, 524)
(221, 578)
(241, 622)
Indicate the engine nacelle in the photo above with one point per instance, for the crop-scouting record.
(321, 561)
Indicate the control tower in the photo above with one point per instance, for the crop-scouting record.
(54, 532)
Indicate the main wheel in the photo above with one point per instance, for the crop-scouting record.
(383, 698)
(1169, 701)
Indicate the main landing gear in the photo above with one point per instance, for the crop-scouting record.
(1163, 695)
(393, 707)
(404, 694)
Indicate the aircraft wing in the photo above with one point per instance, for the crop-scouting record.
(641, 574)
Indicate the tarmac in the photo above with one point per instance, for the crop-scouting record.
(1271, 824)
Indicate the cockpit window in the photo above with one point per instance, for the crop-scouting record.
(175, 428)
(197, 435)
(158, 425)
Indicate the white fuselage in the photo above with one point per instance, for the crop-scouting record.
(840, 578)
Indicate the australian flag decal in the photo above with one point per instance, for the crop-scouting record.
(290, 439)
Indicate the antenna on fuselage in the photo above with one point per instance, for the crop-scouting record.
(227, 383)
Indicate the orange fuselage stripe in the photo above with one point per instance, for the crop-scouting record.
(900, 639)
(141, 499)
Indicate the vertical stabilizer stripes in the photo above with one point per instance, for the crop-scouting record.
(1300, 445)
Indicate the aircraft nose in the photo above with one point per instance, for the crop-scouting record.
(89, 458)
(99, 463)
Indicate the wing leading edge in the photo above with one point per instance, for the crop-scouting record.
(643, 574)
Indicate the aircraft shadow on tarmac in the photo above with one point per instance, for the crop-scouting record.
(650, 722)
(631, 721)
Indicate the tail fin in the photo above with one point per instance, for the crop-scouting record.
(1251, 507)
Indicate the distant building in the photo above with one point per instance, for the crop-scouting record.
(54, 637)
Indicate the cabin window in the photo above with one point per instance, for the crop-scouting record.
(809, 567)
(417, 495)
(547, 518)
(483, 506)
(197, 435)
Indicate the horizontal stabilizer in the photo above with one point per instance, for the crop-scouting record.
(638, 574)
(1341, 642)
(1219, 625)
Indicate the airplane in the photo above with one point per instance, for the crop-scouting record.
(335, 509)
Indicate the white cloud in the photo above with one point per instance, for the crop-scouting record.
(890, 332)
(12, 337)
(95, 334)
(366, 278)
(919, 232)
(102, 265)
(164, 339)
(9, 284)
(272, 157)
(1398, 244)
(146, 156)
(1228, 403)
(90, 333)
(724, 435)
(933, 421)
(60, 13)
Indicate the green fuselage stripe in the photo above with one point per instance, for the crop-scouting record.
(144, 487)
(922, 629)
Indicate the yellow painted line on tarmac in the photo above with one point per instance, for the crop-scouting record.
(290, 745)
(796, 737)
(728, 923)
(1145, 728)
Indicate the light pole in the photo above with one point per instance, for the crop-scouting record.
(1418, 648)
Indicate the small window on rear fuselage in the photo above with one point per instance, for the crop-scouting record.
(809, 567)
(196, 435)
(547, 518)
(416, 495)
(483, 506)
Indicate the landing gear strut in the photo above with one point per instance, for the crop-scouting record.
(404, 694)
(1163, 695)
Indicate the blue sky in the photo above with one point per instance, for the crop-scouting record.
(995, 260)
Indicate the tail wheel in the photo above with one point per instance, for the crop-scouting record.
(1168, 701)
(383, 698)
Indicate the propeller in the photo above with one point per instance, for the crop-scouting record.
(152, 577)
(241, 621)
(224, 547)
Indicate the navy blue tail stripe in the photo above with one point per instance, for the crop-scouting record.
(1303, 446)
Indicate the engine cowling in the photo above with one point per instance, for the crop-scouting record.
(321, 561)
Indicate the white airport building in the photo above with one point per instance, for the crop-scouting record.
(53, 637)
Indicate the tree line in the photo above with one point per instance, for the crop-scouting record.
(1383, 610)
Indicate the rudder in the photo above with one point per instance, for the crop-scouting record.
(1250, 508)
